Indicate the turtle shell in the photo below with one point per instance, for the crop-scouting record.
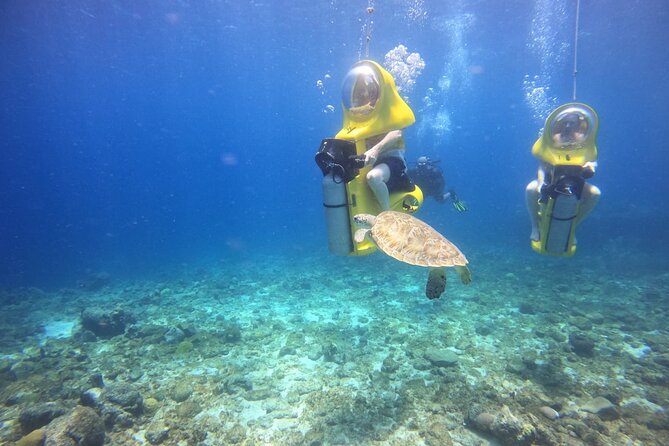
(412, 241)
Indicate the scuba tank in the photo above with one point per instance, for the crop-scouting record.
(560, 202)
(339, 164)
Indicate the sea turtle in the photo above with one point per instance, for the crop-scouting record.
(413, 241)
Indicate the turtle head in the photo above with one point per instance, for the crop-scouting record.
(364, 220)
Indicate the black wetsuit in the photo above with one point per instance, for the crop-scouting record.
(430, 179)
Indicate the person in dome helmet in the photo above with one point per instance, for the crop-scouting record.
(565, 149)
(376, 112)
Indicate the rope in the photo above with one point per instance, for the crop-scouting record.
(578, 11)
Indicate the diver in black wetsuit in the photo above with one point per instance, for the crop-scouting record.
(430, 178)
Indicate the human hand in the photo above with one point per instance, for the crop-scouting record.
(588, 170)
(370, 157)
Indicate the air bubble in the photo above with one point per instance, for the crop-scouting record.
(405, 67)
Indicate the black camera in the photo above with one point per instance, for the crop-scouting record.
(338, 156)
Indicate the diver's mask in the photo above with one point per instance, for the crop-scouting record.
(361, 90)
(571, 127)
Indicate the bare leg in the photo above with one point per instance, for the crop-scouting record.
(376, 179)
(589, 199)
(532, 196)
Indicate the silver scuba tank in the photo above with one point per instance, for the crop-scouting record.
(337, 160)
(337, 220)
(562, 218)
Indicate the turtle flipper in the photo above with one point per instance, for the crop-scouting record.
(360, 235)
(465, 274)
(436, 283)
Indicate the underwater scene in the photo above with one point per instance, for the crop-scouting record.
(360, 222)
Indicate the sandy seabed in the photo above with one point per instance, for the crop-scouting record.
(312, 350)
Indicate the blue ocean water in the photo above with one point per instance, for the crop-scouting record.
(163, 248)
(142, 135)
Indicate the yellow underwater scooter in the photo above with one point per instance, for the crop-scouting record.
(372, 106)
(567, 143)
(567, 149)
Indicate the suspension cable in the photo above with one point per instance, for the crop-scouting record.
(578, 11)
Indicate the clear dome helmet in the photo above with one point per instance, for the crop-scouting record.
(572, 127)
(361, 89)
